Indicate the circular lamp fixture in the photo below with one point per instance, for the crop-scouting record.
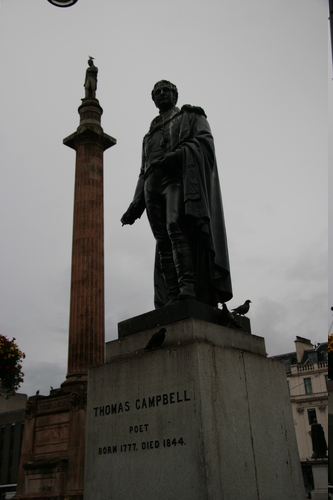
(63, 3)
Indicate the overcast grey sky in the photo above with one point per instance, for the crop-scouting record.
(260, 69)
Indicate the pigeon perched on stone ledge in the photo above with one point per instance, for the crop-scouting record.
(228, 319)
(243, 309)
(156, 340)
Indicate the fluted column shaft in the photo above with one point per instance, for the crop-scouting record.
(87, 319)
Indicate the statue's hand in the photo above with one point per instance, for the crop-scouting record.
(127, 219)
(129, 216)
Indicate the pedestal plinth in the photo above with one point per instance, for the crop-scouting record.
(320, 479)
(205, 416)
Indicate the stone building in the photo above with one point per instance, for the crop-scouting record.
(11, 433)
(330, 430)
(307, 377)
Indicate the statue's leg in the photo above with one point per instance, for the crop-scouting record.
(170, 276)
(183, 262)
(156, 212)
(90, 88)
(182, 255)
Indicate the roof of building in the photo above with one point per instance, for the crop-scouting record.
(318, 353)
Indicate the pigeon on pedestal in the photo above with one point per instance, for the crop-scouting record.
(156, 340)
(243, 309)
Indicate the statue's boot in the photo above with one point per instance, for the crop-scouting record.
(170, 277)
(184, 266)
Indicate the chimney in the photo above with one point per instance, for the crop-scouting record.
(302, 345)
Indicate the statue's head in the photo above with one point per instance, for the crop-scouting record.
(164, 95)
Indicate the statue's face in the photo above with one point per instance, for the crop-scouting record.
(164, 96)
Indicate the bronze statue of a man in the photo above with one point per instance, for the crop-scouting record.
(179, 187)
(90, 83)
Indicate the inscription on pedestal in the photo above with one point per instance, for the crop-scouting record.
(134, 421)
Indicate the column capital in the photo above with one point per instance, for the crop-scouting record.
(90, 130)
(89, 133)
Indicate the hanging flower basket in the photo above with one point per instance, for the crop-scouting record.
(11, 375)
(330, 357)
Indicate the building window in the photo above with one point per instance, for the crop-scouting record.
(312, 416)
(326, 380)
(308, 386)
(312, 357)
(287, 365)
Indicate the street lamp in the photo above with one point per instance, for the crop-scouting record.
(330, 3)
(63, 3)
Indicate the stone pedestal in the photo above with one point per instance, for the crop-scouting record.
(205, 416)
(320, 479)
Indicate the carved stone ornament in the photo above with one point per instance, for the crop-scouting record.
(75, 401)
(30, 410)
(300, 410)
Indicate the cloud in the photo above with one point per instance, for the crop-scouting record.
(280, 321)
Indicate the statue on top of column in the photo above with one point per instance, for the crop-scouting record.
(90, 83)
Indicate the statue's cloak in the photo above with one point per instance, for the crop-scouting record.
(204, 217)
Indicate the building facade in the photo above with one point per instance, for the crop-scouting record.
(307, 378)
(330, 431)
(12, 412)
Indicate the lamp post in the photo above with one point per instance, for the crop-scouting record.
(63, 3)
(330, 3)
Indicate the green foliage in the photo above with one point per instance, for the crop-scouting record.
(11, 375)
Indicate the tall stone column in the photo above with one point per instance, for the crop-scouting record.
(87, 323)
(53, 447)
